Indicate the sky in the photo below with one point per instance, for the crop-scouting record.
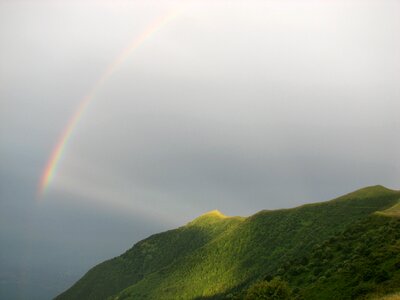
(191, 106)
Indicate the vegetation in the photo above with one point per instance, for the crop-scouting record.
(276, 289)
(346, 248)
(364, 259)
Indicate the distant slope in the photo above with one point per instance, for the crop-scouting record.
(216, 256)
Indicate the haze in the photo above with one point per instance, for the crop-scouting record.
(231, 105)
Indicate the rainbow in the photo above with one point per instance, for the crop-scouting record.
(65, 137)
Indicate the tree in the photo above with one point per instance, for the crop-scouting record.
(276, 289)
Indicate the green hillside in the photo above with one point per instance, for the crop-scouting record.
(345, 248)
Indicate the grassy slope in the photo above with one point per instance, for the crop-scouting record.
(212, 256)
(149, 255)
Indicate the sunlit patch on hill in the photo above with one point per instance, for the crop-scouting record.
(393, 211)
(395, 296)
(215, 213)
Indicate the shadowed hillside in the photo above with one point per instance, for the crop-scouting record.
(326, 250)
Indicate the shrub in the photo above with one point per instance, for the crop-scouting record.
(276, 289)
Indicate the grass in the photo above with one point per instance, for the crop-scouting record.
(393, 211)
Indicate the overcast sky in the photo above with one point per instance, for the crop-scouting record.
(230, 105)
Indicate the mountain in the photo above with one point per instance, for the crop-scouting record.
(346, 248)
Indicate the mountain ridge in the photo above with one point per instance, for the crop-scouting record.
(215, 256)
